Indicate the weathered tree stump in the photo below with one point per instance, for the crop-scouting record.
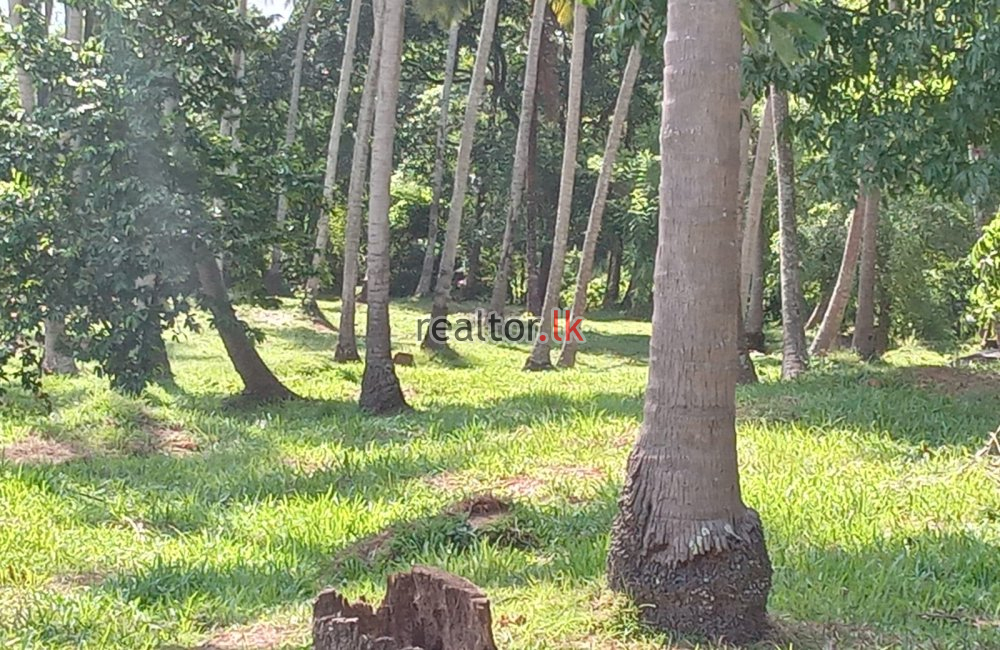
(424, 609)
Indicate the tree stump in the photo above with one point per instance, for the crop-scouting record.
(424, 609)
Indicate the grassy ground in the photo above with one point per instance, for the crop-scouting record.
(174, 521)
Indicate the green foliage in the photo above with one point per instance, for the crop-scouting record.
(985, 262)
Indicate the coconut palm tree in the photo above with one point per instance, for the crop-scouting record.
(347, 345)
(794, 354)
(56, 359)
(437, 176)
(520, 168)
(752, 253)
(567, 356)
(684, 546)
(446, 272)
(834, 315)
(332, 160)
(274, 280)
(864, 320)
(380, 390)
(540, 352)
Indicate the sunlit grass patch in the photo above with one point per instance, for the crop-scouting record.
(193, 520)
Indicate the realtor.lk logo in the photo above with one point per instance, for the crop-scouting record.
(491, 328)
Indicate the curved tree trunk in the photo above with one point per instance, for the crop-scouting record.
(463, 165)
(864, 324)
(753, 244)
(274, 281)
(347, 344)
(684, 546)
(258, 380)
(437, 178)
(332, 161)
(567, 356)
(380, 390)
(794, 355)
(540, 358)
(518, 175)
(834, 316)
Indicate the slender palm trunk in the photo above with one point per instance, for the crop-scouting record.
(499, 298)
(332, 161)
(567, 356)
(827, 335)
(229, 125)
(274, 281)
(26, 87)
(684, 546)
(380, 390)
(540, 358)
(437, 177)
(752, 248)
(446, 272)
(347, 344)
(864, 324)
(56, 358)
(794, 355)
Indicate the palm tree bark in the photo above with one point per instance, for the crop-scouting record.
(864, 323)
(380, 390)
(518, 176)
(540, 358)
(274, 281)
(834, 316)
(347, 344)
(437, 176)
(26, 87)
(794, 355)
(332, 161)
(752, 248)
(463, 165)
(684, 546)
(260, 384)
(567, 356)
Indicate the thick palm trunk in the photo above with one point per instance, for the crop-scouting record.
(827, 335)
(518, 176)
(332, 161)
(437, 177)
(864, 324)
(540, 358)
(258, 380)
(347, 344)
(752, 248)
(794, 355)
(463, 165)
(567, 356)
(380, 390)
(274, 280)
(684, 546)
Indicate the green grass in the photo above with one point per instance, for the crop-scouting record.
(883, 526)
